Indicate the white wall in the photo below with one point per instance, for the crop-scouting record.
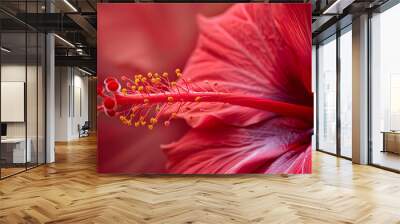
(61, 103)
(33, 127)
(80, 103)
(71, 102)
(16, 73)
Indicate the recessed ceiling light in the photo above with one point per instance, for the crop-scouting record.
(5, 50)
(338, 6)
(70, 5)
(84, 71)
(64, 40)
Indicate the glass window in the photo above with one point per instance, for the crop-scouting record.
(346, 93)
(385, 89)
(22, 92)
(14, 153)
(327, 96)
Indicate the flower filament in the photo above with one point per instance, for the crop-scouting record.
(143, 100)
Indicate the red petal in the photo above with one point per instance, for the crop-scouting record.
(256, 49)
(280, 145)
(247, 50)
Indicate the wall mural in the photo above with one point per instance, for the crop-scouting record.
(204, 88)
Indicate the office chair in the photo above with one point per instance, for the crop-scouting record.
(84, 130)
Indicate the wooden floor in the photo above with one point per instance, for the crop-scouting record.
(70, 191)
(5, 172)
(386, 159)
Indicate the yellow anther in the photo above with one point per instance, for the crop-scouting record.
(140, 76)
(123, 90)
(197, 99)
(137, 124)
(158, 80)
(153, 80)
(146, 101)
(121, 118)
(165, 74)
(141, 118)
(177, 70)
(173, 83)
(170, 99)
(132, 115)
(144, 79)
(166, 123)
(156, 75)
(153, 120)
(140, 88)
(137, 80)
(133, 88)
(178, 74)
(129, 123)
(149, 75)
(143, 123)
(150, 126)
(173, 115)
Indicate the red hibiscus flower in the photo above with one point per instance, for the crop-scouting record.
(253, 49)
(246, 93)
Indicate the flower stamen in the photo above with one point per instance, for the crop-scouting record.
(156, 95)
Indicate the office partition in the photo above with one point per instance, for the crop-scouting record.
(22, 87)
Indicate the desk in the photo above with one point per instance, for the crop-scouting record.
(391, 141)
(13, 150)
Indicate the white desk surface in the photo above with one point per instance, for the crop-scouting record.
(13, 140)
(21, 154)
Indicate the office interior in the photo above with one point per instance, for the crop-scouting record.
(334, 89)
(28, 109)
(29, 47)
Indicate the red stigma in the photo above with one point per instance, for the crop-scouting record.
(112, 85)
(109, 103)
(110, 113)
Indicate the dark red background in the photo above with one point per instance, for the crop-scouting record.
(140, 38)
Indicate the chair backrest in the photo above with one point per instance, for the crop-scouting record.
(86, 125)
